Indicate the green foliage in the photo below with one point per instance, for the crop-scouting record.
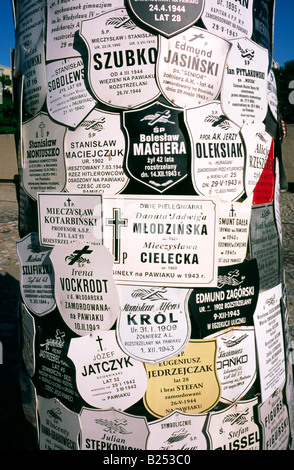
(284, 75)
(8, 119)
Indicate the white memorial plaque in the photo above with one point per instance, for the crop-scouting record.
(269, 340)
(122, 59)
(112, 430)
(68, 100)
(258, 144)
(85, 291)
(218, 153)
(59, 427)
(235, 362)
(94, 155)
(244, 87)
(65, 218)
(62, 38)
(234, 428)
(105, 375)
(233, 231)
(178, 431)
(36, 275)
(34, 71)
(229, 19)
(272, 95)
(153, 323)
(190, 67)
(274, 417)
(169, 239)
(43, 155)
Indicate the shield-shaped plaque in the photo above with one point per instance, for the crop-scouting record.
(167, 18)
(153, 323)
(106, 376)
(157, 149)
(188, 382)
(85, 291)
(190, 67)
(112, 430)
(37, 276)
(122, 58)
(218, 153)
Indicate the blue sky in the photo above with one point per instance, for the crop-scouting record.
(283, 36)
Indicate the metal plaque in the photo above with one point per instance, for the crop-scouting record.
(122, 58)
(153, 323)
(218, 152)
(229, 19)
(231, 304)
(244, 87)
(169, 239)
(178, 431)
(94, 155)
(270, 342)
(157, 152)
(112, 430)
(167, 18)
(85, 292)
(63, 40)
(28, 341)
(34, 72)
(65, 218)
(264, 244)
(68, 99)
(258, 144)
(264, 190)
(43, 165)
(190, 67)
(233, 231)
(59, 427)
(234, 428)
(105, 376)
(236, 362)
(189, 382)
(37, 277)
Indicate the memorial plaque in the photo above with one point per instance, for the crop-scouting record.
(236, 362)
(36, 275)
(272, 96)
(188, 382)
(169, 239)
(34, 72)
(28, 341)
(85, 291)
(94, 155)
(229, 19)
(231, 304)
(62, 38)
(165, 18)
(153, 323)
(122, 57)
(68, 99)
(178, 431)
(59, 427)
(234, 428)
(65, 218)
(218, 152)
(244, 87)
(30, 22)
(157, 152)
(264, 245)
(112, 430)
(190, 67)
(43, 155)
(270, 342)
(258, 144)
(104, 374)
(233, 231)
(274, 417)
(264, 190)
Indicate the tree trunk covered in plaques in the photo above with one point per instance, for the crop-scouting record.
(153, 306)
